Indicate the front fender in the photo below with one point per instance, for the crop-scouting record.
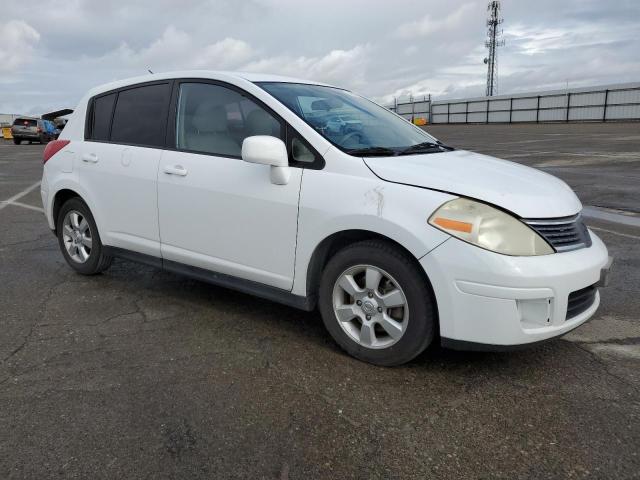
(333, 202)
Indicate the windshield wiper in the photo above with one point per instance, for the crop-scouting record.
(373, 152)
(425, 147)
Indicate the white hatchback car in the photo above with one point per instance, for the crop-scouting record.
(237, 180)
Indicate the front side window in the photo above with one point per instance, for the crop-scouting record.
(140, 116)
(300, 152)
(215, 120)
(352, 123)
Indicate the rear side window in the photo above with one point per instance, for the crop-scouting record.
(140, 116)
(102, 110)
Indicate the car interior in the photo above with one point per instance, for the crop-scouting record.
(216, 120)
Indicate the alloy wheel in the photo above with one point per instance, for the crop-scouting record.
(370, 306)
(76, 235)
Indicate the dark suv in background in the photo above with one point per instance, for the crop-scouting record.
(32, 130)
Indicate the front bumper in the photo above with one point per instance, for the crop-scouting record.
(498, 301)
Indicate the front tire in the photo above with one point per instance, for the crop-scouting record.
(17, 141)
(79, 239)
(377, 304)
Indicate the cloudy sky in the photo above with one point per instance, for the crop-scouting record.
(51, 52)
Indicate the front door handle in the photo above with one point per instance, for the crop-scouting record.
(89, 158)
(175, 170)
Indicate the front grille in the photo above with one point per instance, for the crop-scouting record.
(580, 300)
(567, 233)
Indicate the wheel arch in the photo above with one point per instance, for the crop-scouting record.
(331, 244)
(63, 192)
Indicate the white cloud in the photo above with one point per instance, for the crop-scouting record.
(17, 43)
(227, 53)
(342, 67)
(176, 49)
(410, 50)
(430, 24)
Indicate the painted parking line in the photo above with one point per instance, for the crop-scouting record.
(17, 196)
(613, 232)
(24, 205)
(602, 214)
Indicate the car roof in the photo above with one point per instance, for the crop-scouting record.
(204, 74)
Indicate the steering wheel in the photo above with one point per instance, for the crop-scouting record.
(348, 136)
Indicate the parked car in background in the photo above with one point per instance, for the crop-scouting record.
(32, 130)
(311, 195)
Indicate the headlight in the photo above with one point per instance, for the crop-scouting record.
(488, 227)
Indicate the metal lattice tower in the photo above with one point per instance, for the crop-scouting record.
(494, 41)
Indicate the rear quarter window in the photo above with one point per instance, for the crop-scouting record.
(101, 117)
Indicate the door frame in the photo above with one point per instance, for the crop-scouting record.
(287, 129)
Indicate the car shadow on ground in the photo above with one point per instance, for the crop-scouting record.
(306, 328)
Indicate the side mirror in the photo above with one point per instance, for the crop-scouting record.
(267, 150)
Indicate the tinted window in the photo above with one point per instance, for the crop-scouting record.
(214, 119)
(140, 116)
(102, 109)
(25, 122)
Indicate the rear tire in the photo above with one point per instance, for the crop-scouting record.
(79, 239)
(17, 141)
(377, 303)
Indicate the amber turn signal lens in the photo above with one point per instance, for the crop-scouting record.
(453, 225)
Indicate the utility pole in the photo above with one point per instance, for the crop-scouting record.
(493, 41)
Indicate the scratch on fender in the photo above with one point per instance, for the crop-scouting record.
(375, 197)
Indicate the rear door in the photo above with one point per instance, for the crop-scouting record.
(119, 164)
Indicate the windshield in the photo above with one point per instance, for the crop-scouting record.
(354, 124)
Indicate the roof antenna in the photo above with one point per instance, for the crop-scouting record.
(149, 70)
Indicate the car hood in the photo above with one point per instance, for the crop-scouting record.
(525, 191)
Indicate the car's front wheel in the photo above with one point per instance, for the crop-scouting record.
(377, 304)
(17, 141)
(79, 239)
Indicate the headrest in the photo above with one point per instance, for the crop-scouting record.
(320, 105)
(259, 122)
(210, 118)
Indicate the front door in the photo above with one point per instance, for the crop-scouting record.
(216, 211)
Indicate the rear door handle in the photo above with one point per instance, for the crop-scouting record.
(175, 170)
(89, 158)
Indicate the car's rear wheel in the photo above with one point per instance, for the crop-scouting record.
(79, 239)
(17, 141)
(377, 304)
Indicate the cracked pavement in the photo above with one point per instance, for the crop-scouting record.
(139, 373)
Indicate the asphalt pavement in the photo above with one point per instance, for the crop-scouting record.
(139, 373)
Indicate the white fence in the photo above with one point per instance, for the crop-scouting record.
(413, 108)
(603, 103)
